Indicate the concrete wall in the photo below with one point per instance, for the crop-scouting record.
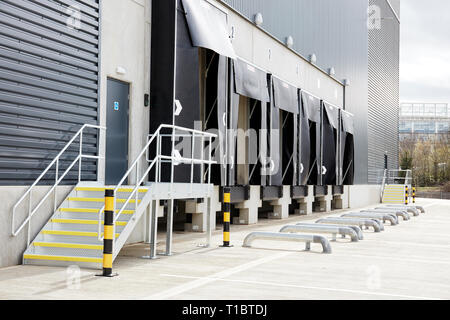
(364, 195)
(125, 43)
(12, 248)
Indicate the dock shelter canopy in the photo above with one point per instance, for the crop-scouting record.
(208, 27)
(311, 105)
(347, 148)
(251, 82)
(285, 98)
(330, 127)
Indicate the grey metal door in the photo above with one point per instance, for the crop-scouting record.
(117, 131)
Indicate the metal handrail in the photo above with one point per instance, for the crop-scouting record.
(394, 175)
(157, 162)
(58, 180)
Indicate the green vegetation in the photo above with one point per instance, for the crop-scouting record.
(429, 161)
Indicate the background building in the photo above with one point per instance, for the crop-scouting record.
(424, 122)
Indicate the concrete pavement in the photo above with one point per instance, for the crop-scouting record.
(407, 261)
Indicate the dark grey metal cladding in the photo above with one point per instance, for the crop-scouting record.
(48, 86)
(383, 107)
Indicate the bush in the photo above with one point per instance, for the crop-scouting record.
(446, 187)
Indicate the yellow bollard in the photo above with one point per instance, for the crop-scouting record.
(406, 195)
(226, 216)
(108, 234)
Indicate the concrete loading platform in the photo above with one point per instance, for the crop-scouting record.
(406, 261)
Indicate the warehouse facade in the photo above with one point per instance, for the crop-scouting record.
(122, 63)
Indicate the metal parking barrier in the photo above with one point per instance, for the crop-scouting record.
(399, 213)
(381, 216)
(375, 224)
(410, 209)
(355, 228)
(308, 239)
(316, 228)
(419, 208)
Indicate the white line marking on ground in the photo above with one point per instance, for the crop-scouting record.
(211, 279)
(203, 281)
(406, 259)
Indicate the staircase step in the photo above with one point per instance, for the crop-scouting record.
(62, 258)
(88, 222)
(91, 210)
(68, 245)
(102, 200)
(101, 189)
(72, 233)
(89, 216)
(66, 249)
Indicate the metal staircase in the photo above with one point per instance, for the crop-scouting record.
(394, 185)
(74, 233)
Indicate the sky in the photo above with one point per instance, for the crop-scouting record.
(425, 51)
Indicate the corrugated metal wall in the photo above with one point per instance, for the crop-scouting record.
(383, 92)
(49, 60)
(336, 31)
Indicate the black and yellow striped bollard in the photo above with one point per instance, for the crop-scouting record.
(226, 216)
(406, 195)
(108, 234)
(414, 194)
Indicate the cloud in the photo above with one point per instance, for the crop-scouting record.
(425, 50)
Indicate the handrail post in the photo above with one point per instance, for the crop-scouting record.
(29, 219)
(202, 166)
(192, 161)
(136, 194)
(56, 181)
(209, 160)
(81, 155)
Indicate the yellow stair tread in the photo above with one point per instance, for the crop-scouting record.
(61, 258)
(83, 199)
(80, 221)
(73, 233)
(90, 210)
(100, 189)
(68, 245)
